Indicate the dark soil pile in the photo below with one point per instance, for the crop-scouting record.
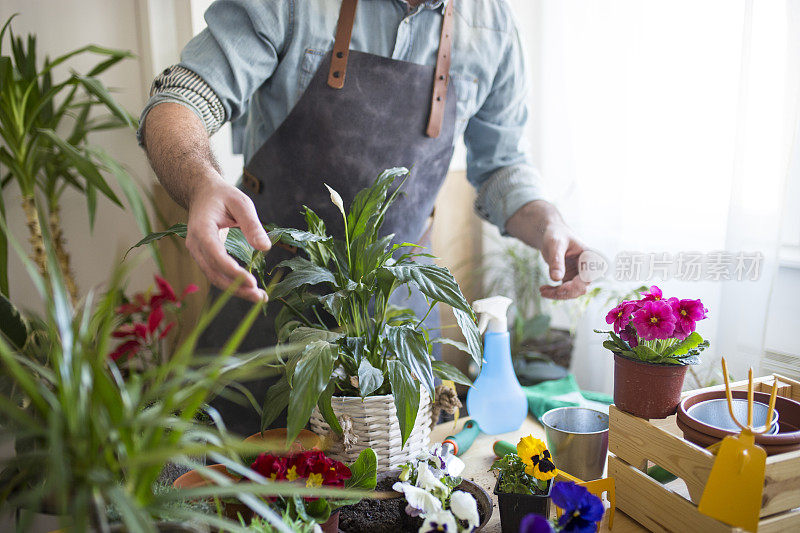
(385, 516)
(378, 516)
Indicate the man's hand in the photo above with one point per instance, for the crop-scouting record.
(214, 207)
(540, 225)
(178, 149)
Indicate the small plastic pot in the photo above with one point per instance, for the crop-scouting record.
(513, 507)
(332, 525)
(647, 390)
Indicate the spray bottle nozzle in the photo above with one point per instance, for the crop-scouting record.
(492, 313)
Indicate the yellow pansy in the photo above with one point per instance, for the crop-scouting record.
(536, 456)
(314, 480)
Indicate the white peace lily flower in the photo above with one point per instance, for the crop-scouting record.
(465, 508)
(336, 199)
(439, 521)
(317, 528)
(420, 500)
(427, 480)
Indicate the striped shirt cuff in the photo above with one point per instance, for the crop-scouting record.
(507, 190)
(180, 85)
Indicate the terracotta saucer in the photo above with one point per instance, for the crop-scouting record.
(787, 439)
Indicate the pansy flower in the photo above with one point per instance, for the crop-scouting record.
(534, 523)
(652, 295)
(582, 509)
(536, 456)
(438, 522)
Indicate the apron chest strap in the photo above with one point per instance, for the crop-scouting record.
(341, 48)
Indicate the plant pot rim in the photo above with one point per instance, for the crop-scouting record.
(497, 492)
(648, 363)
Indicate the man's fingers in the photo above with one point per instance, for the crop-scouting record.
(244, 212)
(254, 294)
(554, 251)
(567, 290)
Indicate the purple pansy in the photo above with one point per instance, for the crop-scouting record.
(582, 509)
(654, 320)
(534, 523)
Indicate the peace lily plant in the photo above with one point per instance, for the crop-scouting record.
(335, 300)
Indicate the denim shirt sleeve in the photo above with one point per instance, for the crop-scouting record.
(498, 162)
(232, 56)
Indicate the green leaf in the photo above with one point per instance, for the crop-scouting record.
(410, 347)
(537, 326)
(692, 341)
(83, 165)
(275, 401)
(364, 471)
(303, 272)
(176, 230)
(293, 237)
(12, 325)
(645, 353)
(473, 337)
(95, 87)
(369, 378)
(305, 335)
(325, 408)
(447, 371)
(406, 397)
(435, 282)
(311, 375)
(369, 201)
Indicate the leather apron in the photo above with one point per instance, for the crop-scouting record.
(360, 114)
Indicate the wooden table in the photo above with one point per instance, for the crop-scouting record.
(480, 457)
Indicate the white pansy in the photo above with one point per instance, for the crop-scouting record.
(420, 499)
(427, 480)
(454, 465)
(465, 508)
(336, 199)
(439, 521)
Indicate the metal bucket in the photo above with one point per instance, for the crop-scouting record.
(578, 440)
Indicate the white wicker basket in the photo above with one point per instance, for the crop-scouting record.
(376, 426)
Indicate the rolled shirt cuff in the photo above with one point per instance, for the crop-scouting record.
(182, 86)
(507, 190)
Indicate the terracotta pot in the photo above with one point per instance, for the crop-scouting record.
(787, 439)
(332, 525)
(647, 390)
(275, 441)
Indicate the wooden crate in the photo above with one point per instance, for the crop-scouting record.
(636, 443)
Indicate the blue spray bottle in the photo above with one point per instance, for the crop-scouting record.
(496, 400)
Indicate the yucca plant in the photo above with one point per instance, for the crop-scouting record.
(90, 441)
(374, 348)
(45, 124)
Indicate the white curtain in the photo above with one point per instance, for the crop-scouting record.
(664, 128)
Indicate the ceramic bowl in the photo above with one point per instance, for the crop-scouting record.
(702, 434)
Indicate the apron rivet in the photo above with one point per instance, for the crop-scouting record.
(336, 74)
(340, 54)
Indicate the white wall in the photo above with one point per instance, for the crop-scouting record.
(61, 26)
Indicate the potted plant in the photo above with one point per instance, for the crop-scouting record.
(524, 482)
(45, 124)
(91, 441)
(581, 511)
(303, 469)
(653, 340)
(348, 353)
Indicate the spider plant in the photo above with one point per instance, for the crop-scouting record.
(374, 348)
(88, 439)
(45, 124)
